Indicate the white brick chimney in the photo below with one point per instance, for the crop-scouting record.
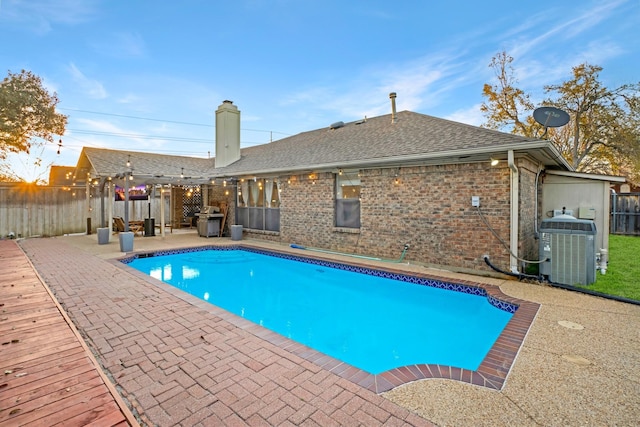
(227, 134)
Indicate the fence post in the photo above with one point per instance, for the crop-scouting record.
(614, 225)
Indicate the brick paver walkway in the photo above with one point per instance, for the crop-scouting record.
(179, 363)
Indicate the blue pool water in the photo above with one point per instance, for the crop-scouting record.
(373, 323)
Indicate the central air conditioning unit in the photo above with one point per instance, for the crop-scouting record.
(569, 247)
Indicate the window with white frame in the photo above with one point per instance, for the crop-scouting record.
(347, 208)
(258, 204)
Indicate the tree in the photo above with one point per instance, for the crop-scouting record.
(602, 135)
(506, 103)
(27, 114)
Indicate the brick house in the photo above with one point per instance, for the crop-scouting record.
(369, 187)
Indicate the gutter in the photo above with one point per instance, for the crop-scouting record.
(465, 154)
(515, 197)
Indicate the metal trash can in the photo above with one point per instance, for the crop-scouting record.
(236, 232)
(103, 235)
(149, 227)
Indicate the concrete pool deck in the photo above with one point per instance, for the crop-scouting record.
(178, 365)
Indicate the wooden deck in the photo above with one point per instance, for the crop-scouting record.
(48, 375)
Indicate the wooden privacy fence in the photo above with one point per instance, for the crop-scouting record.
(625, 214)
(30, 211)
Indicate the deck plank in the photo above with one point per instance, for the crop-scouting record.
(49, 377)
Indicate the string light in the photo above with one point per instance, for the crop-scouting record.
(128, 160)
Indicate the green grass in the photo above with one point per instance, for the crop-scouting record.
(623, 275)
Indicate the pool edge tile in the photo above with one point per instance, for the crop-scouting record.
(492, 372)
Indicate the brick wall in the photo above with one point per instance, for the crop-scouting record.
(307, 211)
(429, 208)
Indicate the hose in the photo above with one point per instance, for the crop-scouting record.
(404, 251)
(520, 276)
(562, 286)
(504, 244)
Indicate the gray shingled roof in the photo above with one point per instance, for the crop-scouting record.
(145, 167)
(414, 138)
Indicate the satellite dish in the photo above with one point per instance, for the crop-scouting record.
(551, 117)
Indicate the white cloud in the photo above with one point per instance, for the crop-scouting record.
(121, 44)
(93, 88)
(419, 84)
(471, 116)
(39, 16)
(128, 99)
(564, 28)
(107, 134)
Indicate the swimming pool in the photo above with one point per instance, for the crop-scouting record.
(375, 321)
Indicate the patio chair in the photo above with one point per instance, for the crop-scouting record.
(134, 226)
(190, 221)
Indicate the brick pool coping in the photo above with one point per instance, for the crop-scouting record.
(492, 372)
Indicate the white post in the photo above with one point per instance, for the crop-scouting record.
(110, 200)
(162, 211)
(88, 202)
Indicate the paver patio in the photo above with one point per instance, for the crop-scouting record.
(181, 365)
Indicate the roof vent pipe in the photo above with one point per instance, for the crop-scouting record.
(392, 96)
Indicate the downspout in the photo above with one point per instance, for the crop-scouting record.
(515, 196)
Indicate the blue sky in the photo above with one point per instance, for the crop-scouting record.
(147, 75)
